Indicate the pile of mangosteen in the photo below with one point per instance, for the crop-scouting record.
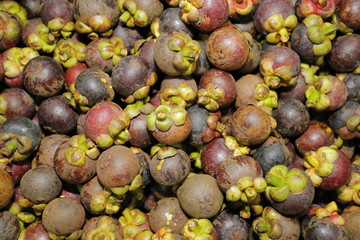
(179, 119)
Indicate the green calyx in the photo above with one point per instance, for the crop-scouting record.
(180, 96)
(104, 202)
(134, 109)
(16, 59)
(130, 220)
(308, 72)
(68, 53)
(119, 130)
(320, 163)
(164, 117)
(281, 182)
(187, 53)
(42, 39)
(274, 78)
(76, 99)
(80, 148)
(278, 28)
(131, 15)
(265, 96)
(198, 229)
(351, 191)
(267, 226)
(316, 95)
(14, 147)
(190, 10)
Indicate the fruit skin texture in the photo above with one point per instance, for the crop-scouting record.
(227, 48)
(63, 216)
(200, 197)
(9, 226)
(100, 118)
(6, 188)
(250, 125)
(291, 116)
(43, 76)
(159, 215)
(212, 14)
(345, 53)
(117, 167)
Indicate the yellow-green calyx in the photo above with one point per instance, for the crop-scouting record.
(119, 130)
(26, 217)
(96, 25)
(133, 110)
(268, 226)
(12, 26)
(15, 9)
(351, 191)
(330, 211)
(14, 147)
(60, 28)
(279, 77)
(130, 221)
(265, 96)
(69, 53)
(209, 96)
(81, 102)
(80, 148)
(247, 190)
(163, 233)
(320, 34)
(104, 201)
(164, 117)
(131, 15)
(308, 72)
(143, 92)
(42, 39)
(187, 53)
(105, 228)
(233, 145)
(244, 7)
(114, 49)
(190, 10)
(198, 229)
(16, 59)
(132, 187)
(281, 182)
(319, 163)
(73, 236)
(180, 96)
(278, 28)
(76, 99)
(316, 95)
(163, 152)
(353, 123)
